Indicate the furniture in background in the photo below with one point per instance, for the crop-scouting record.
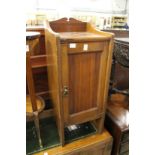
(39, 64)
(118, 104)
(100, 144)
(117, 123)
(39, 69)
(118, 33)
(120, 67)
(34, 104)
(39, 49)
(79, 62)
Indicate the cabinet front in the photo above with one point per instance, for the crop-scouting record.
(83, 69)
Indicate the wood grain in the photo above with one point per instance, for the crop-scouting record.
(82, 82)
(63, 25)
(30, 82)
(54, 76)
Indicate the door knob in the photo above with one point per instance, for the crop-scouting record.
(65, 91)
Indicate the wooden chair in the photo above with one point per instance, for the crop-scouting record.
(117, 122)
(34, 104)
(120, 67)
(117, 114)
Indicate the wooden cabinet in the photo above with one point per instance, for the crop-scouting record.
(79, 63)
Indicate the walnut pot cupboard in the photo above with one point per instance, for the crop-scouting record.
(79, 64)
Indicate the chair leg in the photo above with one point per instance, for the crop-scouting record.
(36, 121)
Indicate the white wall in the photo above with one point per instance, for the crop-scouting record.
(94, 11)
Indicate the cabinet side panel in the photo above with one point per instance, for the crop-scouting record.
(83, 80)
(52, 50)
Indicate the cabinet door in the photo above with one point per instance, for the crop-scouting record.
(84, 80)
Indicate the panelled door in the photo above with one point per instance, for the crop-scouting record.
(83, 69)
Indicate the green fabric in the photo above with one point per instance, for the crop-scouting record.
(50, 137)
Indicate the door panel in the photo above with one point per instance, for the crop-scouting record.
(83, 81)
(83, 74)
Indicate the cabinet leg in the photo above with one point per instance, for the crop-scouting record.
(62, 137)
(61, 132)
(99, 124)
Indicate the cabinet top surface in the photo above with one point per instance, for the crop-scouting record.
(74, 36)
